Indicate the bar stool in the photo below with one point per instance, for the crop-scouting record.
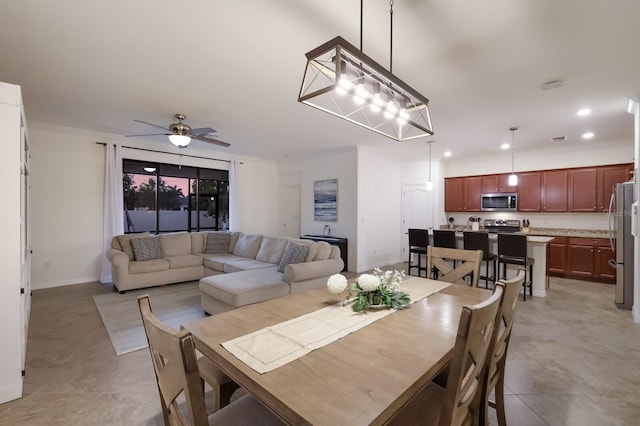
(474, 240)
(418, 242)
(445, 239)
(512, 250)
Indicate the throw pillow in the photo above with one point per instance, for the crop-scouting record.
(294, 253)
(146, 248)
(217, 242)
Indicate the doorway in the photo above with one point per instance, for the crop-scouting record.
(417, 211)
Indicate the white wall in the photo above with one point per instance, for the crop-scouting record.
(67, 177)
(379, 209)
(590, 155)
(342, 166)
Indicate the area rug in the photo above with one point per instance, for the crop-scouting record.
(174, 305)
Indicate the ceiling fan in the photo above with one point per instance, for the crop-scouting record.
(180, 134)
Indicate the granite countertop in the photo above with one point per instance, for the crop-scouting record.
(552, 232)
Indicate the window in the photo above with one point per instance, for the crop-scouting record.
(168, 198)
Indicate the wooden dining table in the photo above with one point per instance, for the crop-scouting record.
(363, 378)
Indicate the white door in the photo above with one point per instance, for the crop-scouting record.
(417, 211)
(289, 211)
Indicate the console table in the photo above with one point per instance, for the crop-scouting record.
(341, 243)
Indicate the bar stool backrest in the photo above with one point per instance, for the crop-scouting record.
(418, 238)
(442, 238)
(512, 245)
(476, 241)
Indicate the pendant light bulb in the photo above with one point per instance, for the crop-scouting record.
(513, 178)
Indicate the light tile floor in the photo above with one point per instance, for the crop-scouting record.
(574, 359)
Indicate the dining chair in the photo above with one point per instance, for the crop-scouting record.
(497, 355)
(469, 266)
(418, 242)
(473, 240)
(177, 373)
(459, 402)
(445, 239)
(512, 250)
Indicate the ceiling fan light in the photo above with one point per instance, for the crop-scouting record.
(149, 169)
(180, 140)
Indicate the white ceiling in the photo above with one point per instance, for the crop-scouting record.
(237, 66)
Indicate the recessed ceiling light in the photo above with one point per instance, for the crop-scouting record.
(447, 153)
(505, 146)
(583, 112)
(587, 135)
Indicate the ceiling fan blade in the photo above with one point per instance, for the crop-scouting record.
(210, 140)
(202, 131)
(148, 134)
(151, 124)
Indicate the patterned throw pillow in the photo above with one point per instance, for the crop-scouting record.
(294, 253)
(146, 248)
(217, 242)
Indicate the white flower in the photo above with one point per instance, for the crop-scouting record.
(337, 283)
(368, 282)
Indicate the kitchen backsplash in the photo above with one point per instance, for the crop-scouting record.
(590, 221)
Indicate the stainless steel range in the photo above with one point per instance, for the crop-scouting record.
(498, 226)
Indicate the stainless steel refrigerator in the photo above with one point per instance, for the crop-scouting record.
(622, 242)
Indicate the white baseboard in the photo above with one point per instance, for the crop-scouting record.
(636, 313)
(52, 284)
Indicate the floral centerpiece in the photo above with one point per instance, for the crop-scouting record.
(382, 288)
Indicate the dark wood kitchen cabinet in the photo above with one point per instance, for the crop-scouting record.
(529, 185)
(608, 177)
(493, 184)
(554, 190)
(583, 190)
(590, 188)
(588, 259)
(557, 257)
(472, 190)
(462, 194)
(453, 195)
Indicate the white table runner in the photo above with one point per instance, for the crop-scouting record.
(272, 347)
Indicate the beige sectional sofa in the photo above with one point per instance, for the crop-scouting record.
(234, 268)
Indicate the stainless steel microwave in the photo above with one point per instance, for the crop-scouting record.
(499, 202)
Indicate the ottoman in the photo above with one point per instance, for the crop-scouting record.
(220, 293)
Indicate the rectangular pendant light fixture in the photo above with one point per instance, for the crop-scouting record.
(343, 81)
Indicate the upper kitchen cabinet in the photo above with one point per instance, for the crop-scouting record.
(462, 194)
(472, 189)
(554, 190)
(529, 190)
(492, 184)
(453, 195)
(590, 188)
(608, 177)
(583, 190)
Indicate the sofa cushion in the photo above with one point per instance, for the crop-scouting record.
(198, 240)
(324, 250)
(184, 261)
(177, 244)
(144, 266)
(271, 249)
(245, 265)
(146, 248)
(217, 262)
(294, 253)
(217, 242)
(247, 245)
(243, 288)
(125, 242)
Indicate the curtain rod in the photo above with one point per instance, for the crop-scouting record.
(165, 152)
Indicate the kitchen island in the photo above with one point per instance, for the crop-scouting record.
(536, 248)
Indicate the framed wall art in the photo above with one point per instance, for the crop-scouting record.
(325, 200)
